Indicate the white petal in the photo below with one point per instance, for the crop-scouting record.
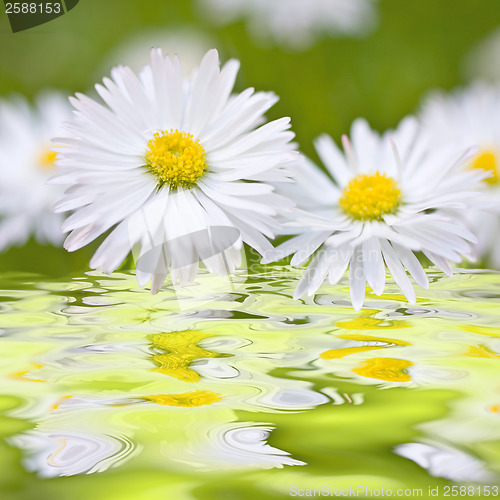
(373, 265)
(357, 279)
(413, 265)
(339, 260)
(333, 159)
(398, 272)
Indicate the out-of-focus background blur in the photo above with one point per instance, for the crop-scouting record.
(409, 48)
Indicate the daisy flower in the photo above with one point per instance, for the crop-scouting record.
(296, 23)
(178, 168)
(26, 162)
(383, 199)
(472, 116)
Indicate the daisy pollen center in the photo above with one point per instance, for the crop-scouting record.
(369, 197)
(176, 159)
(47, 159)
(487, 160)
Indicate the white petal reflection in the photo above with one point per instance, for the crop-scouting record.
(293, 399)
(54, 454)
(213, 369)
(446, 462)
(236, 445)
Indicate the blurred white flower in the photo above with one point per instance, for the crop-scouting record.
(26, 162)
(166, 164)
(446, 462)
(471, 116)
(481, 62)
(296, 23)
(388, 196)
(188, 43)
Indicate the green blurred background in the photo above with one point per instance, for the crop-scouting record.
(418, 45)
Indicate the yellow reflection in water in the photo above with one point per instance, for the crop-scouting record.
(180, 349)
(22, 374)
(481, 351)
(345, 351)
(340, 353)
(390, 369)
(187, 399)
(368, 323)
(491, 331)
(59, 402)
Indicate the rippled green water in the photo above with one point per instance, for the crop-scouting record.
(232, 390)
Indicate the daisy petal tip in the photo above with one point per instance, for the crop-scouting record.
(68, 246)
(269, 257)
(213, 55)
(471, 151)
(346, 141)
(235, 63)
(98, 266)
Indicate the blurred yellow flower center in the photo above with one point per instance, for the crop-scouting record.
(187, 399)
(47, 159)
(176, 159)
(369, 197)
(487, 160)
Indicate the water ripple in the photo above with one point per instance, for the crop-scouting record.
(200, 378)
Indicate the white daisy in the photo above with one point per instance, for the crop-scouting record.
(176, 167)
(296, 23)
(26, 162)
(472, 116)
(390, 196)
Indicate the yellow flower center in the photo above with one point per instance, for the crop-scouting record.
(176, 159)
(494, 408)
(187, 399)
(47, 159)
(487, 160)
(369, 197)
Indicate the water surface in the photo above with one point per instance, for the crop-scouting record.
(231, 389)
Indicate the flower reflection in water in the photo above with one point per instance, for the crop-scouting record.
(210, 378)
